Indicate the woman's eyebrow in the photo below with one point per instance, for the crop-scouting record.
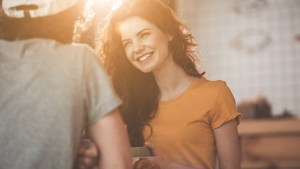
(145, 29)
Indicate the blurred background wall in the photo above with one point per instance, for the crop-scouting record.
(254, 45)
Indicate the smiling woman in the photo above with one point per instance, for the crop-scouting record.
(150, 55)
(143, 98)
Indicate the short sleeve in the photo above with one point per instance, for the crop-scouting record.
(99, 93)
(225, 107)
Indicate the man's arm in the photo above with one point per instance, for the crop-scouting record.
(110, 136)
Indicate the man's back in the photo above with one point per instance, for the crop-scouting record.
(45, 96)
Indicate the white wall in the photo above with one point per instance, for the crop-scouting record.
(252, 45)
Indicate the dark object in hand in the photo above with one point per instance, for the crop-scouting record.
(141, 152)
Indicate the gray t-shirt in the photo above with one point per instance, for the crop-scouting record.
(49, 92)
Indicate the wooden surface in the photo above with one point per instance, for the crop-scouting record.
(274, 126)
(266, 165)
(266, 143)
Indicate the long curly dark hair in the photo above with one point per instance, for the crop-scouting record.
(139, 91)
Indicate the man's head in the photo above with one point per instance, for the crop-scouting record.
(49, 19)
(35, 8)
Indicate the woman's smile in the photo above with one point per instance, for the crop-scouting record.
(144, 57)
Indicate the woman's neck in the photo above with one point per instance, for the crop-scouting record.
(172, 81)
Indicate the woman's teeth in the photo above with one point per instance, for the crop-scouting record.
(144, 57)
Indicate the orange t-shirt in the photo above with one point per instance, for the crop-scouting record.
(182, 130)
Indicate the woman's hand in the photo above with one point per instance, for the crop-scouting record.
(150, 162)
(87, 156)
(162, 163)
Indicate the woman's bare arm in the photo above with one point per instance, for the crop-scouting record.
(228, 146)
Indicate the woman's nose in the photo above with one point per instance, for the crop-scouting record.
(138, 47)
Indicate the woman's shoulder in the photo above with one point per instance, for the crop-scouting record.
(203, 82)
(212, 88)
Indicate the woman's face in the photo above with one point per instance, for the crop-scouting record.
(146, 46)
